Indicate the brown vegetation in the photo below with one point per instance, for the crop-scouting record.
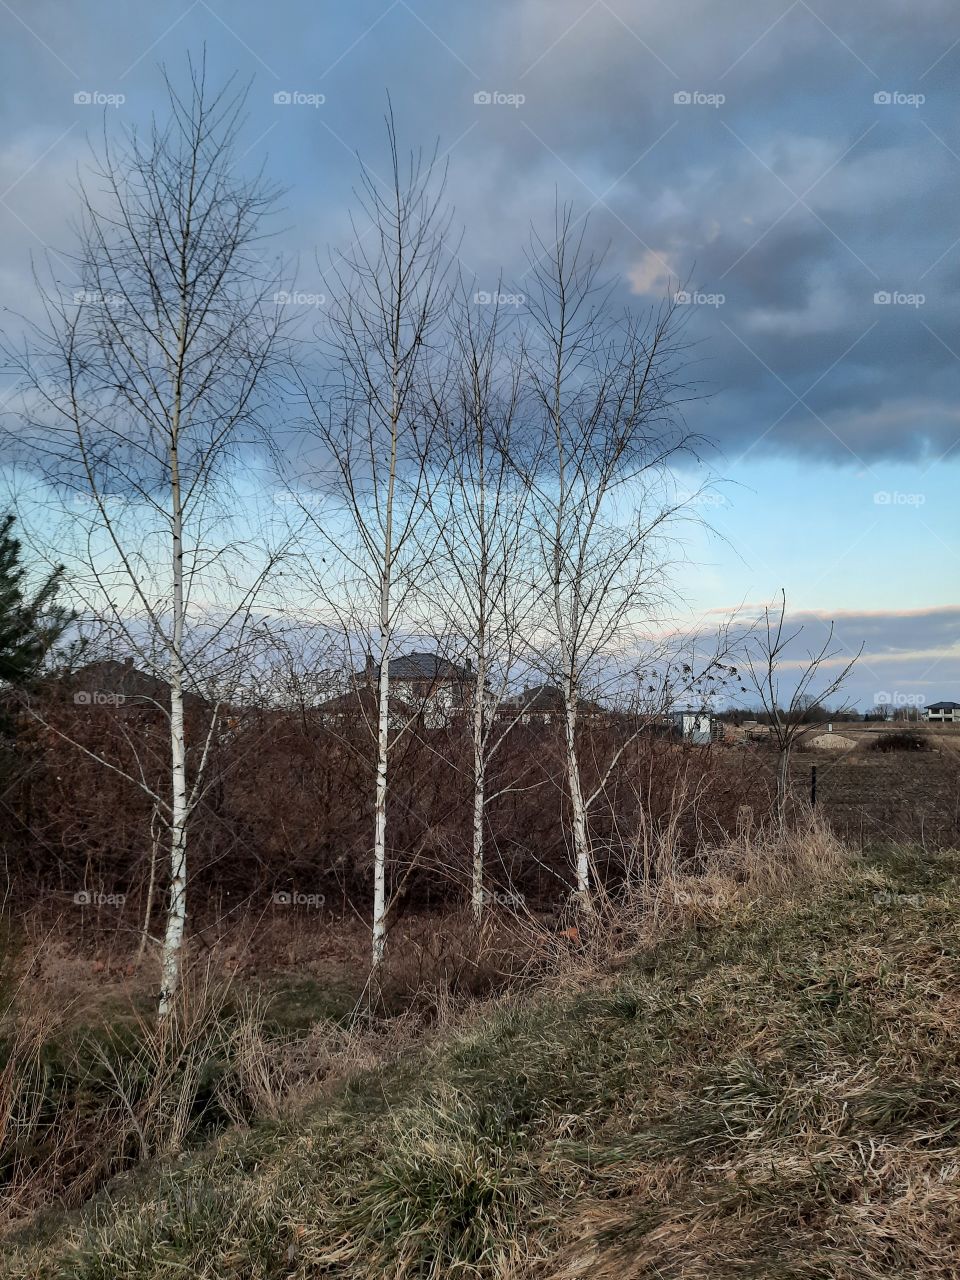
(289, 809)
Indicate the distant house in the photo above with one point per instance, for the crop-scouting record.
(543, 704)
(536, 704)
(110, 683)
(358, 702)
(430, 681)
(942, 713)
(422, 685)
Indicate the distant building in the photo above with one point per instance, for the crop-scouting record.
(430, 681)
(422, 686)
(543, 704)
(942, 713)
(112, 683)
(693, 726)
(536, 704)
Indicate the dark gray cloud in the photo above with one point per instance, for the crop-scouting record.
(798, 198)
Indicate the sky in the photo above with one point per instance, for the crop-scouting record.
(793, 167)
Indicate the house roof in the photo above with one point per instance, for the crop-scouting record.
(125, 680)
(425, 666)
(544, 698)
(943, 706)
(539, 697)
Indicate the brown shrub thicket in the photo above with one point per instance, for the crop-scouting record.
(290, 797)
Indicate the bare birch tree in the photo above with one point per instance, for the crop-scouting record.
(143, 386)
(373, 421)
(602, 391)
(480, 593)
(768, 658)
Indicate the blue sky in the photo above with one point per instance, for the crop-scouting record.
(795, 163)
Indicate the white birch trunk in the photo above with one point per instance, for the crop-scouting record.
(151, 886)
(172, 954)
(581, 844)
(383, 705)
(171, 961)
(479, 779)
(380, 814)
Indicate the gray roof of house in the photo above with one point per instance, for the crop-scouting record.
(943, 706)
(124, 678)
(426, 666)
(540, 697)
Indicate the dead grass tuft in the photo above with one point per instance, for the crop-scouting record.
(768, 1086)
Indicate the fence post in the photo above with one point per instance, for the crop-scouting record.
(813, 786)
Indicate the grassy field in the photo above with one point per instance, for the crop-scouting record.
(768, 1092)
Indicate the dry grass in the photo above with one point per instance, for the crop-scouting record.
(665, 890)
(91, 1085)
(752, 1071)
(77, 1108)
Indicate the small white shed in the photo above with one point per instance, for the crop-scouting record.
(693, 726)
